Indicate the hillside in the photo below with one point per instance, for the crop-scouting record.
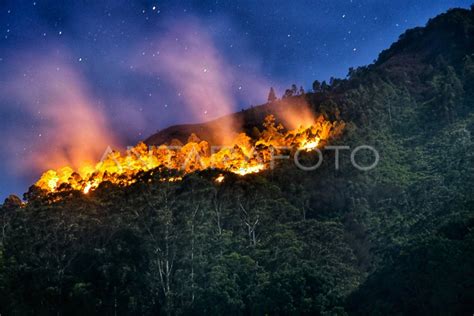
(406, 64)
(244, 121)
(395, 240)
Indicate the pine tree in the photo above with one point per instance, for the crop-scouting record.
(271, 95)
(316, 86)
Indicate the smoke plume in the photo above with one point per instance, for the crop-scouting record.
(69, 126)
(188, 58)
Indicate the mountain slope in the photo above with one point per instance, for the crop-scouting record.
(407, 64)
(395, 240)
(243, 121)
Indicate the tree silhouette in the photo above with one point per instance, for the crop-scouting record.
(271, 95)
(324, 86)
(288, 93)
(316, 86)
(294, 89)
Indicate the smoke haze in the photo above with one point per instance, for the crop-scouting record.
(70, 128)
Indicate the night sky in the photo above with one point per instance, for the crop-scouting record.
(76, 76)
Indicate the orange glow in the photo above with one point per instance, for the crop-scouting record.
(87, 188)
(244, 156)
(309, 145)
(220, 178)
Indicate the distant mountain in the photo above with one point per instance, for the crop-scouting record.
(395, 240)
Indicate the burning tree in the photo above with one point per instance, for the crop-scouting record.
(243, 155)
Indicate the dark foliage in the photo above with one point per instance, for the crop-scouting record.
(396, 240)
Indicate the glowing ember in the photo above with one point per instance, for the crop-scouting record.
(244, 156)
(249, 169)
(87, 188)
(53, 182)
(220, 178)
(309, 145)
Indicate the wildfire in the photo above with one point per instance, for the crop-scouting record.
(87, 188)
(220, 178)
(309, 145)
(245, 155)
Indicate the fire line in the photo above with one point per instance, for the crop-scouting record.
(243, 156)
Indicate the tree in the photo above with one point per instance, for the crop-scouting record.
(324, 86)
(447, 93)
(301, 90)
(316, 86)
(157, 219)
(294, 89)
(271, 95)
(255, 133)
(288, 93)
(9, 206)
(3, 293)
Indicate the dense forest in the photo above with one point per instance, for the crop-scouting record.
(395, 240)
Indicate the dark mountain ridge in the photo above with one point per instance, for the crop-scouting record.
(395, 240)
(244, 121)
(446, 39)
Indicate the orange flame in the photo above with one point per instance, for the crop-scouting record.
(220, 178)
(243, 157)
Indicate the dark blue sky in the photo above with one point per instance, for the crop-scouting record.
(91, 73)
